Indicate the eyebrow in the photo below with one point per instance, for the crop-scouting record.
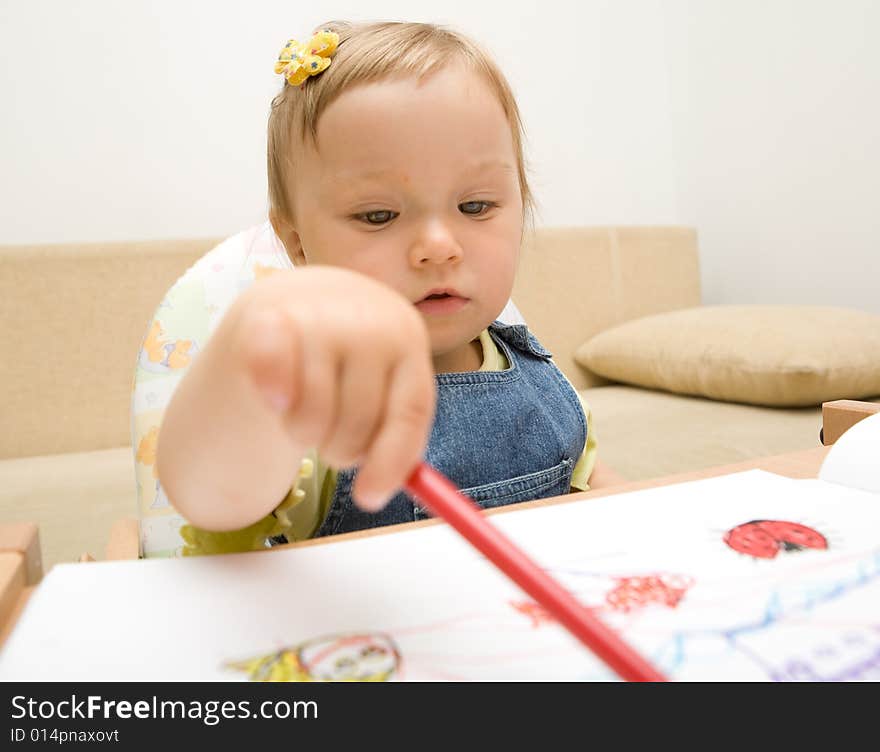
(486, 164)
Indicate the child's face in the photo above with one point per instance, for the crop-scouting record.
(416, 185)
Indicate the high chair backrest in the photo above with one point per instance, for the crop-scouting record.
(187, 315)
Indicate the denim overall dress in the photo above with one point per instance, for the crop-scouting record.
(500, 436)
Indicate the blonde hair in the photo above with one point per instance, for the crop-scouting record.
(370, 52)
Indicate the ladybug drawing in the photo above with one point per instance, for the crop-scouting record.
(764, 539)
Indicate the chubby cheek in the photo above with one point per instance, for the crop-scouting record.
(370, 259)
(382, 267)
(497, 273)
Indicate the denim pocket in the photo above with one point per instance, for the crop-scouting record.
(542, 484)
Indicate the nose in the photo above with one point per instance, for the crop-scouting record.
(435, 244)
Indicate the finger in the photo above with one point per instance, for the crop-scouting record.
(403, 434)
(270, 345)
(363, 389)
(310, 419)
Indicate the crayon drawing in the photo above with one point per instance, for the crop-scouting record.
(764, 539)
(786, 631)
(809, 624)
(351, 657)
(825, 626)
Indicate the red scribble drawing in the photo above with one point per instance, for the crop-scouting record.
(538, 614)
(626, 594)
(764, 539)
(637, 592)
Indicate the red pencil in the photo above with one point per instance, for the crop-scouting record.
(443, 499)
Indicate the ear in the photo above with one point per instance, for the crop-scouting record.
(288, 235)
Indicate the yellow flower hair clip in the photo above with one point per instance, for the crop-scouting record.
(299, 61)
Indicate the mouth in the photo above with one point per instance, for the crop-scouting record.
(442, 301)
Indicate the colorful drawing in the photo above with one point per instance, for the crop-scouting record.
(794, 631)
(764, 539)
(351, 657)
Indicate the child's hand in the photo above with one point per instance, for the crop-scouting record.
(346, 362)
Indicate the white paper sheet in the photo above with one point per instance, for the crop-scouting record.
(424, 605)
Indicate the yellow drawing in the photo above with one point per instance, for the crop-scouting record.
(350, 657)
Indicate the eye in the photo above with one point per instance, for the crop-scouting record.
(379, 217)
(476, 208)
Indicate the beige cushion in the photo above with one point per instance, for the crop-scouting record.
(775, 355)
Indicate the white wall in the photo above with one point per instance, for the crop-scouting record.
(142, 119)
(776, 129)
(754, 121)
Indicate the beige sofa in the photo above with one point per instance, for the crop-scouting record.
(73, 317)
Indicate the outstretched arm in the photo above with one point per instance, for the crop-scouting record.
(322, 358)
